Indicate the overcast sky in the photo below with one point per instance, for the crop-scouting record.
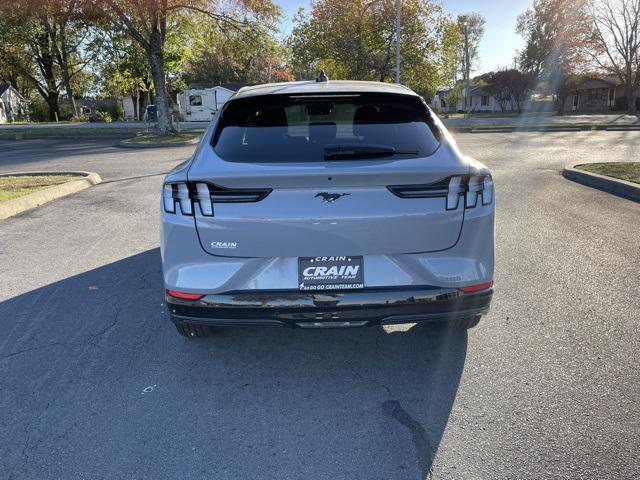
(500, 40)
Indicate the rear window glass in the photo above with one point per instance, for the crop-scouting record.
(298, 128)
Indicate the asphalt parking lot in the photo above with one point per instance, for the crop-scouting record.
(95, 383)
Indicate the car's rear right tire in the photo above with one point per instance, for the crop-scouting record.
(193, 330)
(465, 323)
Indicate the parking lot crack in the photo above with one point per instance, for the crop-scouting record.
(151, 285)
(32, 349)
(24, 455)
(107, 328)
(111, 325)
(424, 451)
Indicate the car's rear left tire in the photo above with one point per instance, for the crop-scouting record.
(193, 330)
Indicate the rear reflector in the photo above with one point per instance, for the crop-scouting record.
(476, 288)
(184, 295)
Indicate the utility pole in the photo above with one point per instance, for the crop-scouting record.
(467, 68)
(398, 4)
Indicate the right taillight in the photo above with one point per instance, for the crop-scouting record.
(487, 190)
(473, 189)
(476, 188)
(456, 188)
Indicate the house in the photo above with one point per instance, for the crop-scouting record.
(200, 103)
(439, 103)
(596, 94)
(13, 106)
(89, 108)
(481, 101)
(128, 109)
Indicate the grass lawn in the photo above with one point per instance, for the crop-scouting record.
(59, 132)
(97, 131)
(629, 171)
(150, 138)
(14, 187)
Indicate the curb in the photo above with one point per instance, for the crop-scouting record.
(33, 200)
(70, 136)
(541, 128)
(621, 188)
(185, 143)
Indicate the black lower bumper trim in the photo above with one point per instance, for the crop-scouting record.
(330, 310)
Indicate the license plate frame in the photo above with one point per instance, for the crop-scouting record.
(340, 272)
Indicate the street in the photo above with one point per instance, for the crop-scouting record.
(95, 382)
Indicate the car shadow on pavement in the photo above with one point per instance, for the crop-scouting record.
(96, 383)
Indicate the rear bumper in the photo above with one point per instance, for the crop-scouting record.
(329, 310)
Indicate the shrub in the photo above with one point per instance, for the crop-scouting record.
(38, 110)
(621, 104)
(115, 111)
(105, 117)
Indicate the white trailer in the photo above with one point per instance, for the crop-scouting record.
(201, 104)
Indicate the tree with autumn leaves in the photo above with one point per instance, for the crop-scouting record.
(356, 39)
(48, 43)
(148, 22)
(565, 38)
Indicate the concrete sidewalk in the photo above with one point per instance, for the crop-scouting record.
(96, 125)
(543, 120)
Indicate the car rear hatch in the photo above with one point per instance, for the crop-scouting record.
(331, 176)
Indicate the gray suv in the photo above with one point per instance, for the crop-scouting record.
(327, 204)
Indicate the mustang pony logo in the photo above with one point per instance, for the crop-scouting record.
(331, 197)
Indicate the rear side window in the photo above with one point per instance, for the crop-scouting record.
(299, 128)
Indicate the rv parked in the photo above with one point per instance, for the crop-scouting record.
(200, 104)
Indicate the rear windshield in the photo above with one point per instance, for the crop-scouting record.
(298, 128)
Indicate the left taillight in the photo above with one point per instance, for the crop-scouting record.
(187, 196)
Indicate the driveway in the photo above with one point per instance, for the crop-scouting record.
(95, 383)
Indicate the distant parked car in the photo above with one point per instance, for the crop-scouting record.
(327, 204)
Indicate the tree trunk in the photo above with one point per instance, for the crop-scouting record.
(156, 59)
(630, 94)
(561, 100)
(69, 90)
(134, 100)
(631, 99)
(54, 107)
(63, 60)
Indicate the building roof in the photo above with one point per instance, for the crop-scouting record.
(332, 86)
(6, 86)
(611, 80)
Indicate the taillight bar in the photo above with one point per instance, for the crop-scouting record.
(186, 195)
(474, 188)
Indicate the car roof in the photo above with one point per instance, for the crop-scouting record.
(332, 86)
